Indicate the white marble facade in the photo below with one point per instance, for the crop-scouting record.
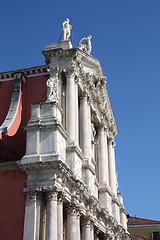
(71, 191)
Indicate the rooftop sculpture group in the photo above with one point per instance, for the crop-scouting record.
(84, 44)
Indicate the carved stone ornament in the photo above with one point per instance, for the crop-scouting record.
(110, 234)
(52, 195)
(72, 211)
(52, 86)
(61, 196)
(31, 196)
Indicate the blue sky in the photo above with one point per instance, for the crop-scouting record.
(126, 39)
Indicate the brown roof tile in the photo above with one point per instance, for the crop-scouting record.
(141, 221)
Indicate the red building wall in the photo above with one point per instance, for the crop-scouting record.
(12, 204)
(33, 91)
(12, 148)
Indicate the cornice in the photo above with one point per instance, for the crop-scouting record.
(144, 226)
(26, 72)
(8, 165)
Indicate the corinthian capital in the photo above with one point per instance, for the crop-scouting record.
(72, 211)
(84, 95)
(70, 72)
(111, 141)
(60, 197)
(52, 195)
(31, 196)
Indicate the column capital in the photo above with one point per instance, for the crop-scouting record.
(52, 195)
(70, 72)
(72, 210)
(84, 95)
(60, 197)
(101, 128)
(54, 71)
(76, 80)
(86, 222)
(31, 196)
(111, 141)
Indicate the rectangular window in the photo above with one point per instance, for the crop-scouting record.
(156, 235)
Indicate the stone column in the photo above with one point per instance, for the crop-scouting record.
(103, 159)
(112, 167)
(89, 131)
(92, 232)
(78, 227)
(106, 156)
(30, 224)
(76, 113)
(60, 217)
(52, 215)
(86, 230)
(123, 217)
(70, 105)
(84, 126)
(73, 229)
(43, 223)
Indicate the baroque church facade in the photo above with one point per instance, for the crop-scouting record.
(57, 149)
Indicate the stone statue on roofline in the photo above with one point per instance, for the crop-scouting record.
(66, 29)
(87, 46)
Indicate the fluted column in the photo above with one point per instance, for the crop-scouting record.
(112, 166)
(84, 126)
(52, 215)
(73, 226)
(70, 105)
(30, 224)
(60, 217)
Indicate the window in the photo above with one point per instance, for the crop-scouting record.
(156, 235)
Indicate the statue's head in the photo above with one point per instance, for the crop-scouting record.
(67, 19)
(89, 36)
